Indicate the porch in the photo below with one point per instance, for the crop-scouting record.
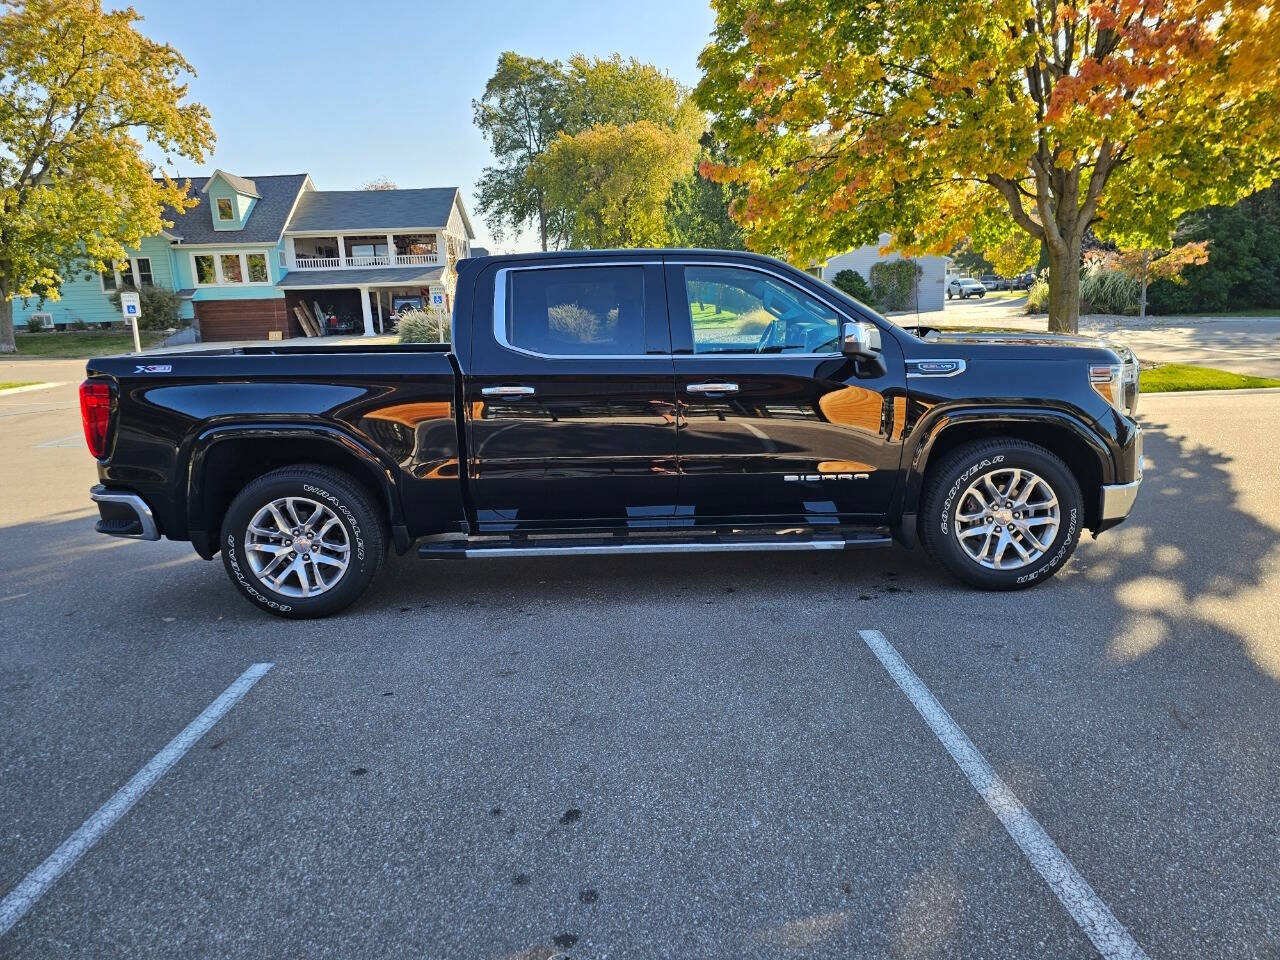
(347, 251)
(363, 301)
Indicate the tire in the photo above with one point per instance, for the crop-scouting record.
(948, 505)
(982, 294)
(949, 294)
(342, 507)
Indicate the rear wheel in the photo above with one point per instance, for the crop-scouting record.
(303, 542)
(1001, 514)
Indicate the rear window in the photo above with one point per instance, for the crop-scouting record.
(577, 311)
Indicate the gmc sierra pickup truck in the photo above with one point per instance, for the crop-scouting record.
(640, 401)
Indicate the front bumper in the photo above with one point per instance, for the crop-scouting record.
(123, 514)
(1117, 499)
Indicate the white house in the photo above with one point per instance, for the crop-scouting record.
(930, 291)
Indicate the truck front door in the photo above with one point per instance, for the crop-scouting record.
(571, 398)
(775, 423)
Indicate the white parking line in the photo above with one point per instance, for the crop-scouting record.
(70, 440)
(1099, 924)
(9, 391)
(39, 880)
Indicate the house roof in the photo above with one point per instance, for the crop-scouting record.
(239, 184)
(374, 210)
(362, 277)
(276, 195)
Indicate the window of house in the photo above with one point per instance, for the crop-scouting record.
(204, 268)
(142, 276)
(733, 310)
(416, 244)
(577, 311)
(108, 277)
(257, 267)
(232, 269)
(225, 209)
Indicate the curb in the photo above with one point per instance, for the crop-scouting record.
(1243, 392)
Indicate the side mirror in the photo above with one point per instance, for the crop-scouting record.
(859, 339)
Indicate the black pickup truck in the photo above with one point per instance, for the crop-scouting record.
(640, 401)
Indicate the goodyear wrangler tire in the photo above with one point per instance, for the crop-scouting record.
(303, 542)
(1001, 514)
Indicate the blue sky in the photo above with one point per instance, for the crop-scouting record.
(352, 91)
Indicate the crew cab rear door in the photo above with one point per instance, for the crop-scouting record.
(571, 396)
(775, 423)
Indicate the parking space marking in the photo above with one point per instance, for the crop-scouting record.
(39, 880)
(1093, 916)
(70, 440)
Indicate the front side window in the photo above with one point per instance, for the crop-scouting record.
(225, 209)
(257, 264)
(142, 272)
(231, 272)
(734, 310)
(577, 311)
(108, 277)
(204, 269)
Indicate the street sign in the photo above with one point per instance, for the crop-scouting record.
(131, 307)
(437, 299)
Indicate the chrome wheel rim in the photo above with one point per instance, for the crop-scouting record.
(297, 547)
(1007, 518)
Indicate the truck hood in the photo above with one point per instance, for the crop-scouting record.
(1026, 344)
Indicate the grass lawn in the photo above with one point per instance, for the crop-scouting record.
(1172, 377)
(10, 384)
(705, 314)
(77, 345)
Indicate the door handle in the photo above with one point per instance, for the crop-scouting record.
(507, 391)
(718, 386)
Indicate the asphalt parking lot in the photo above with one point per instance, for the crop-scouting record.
(653, 757)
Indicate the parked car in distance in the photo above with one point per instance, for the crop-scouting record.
(964, 288)
(993, 282)
(619, 402)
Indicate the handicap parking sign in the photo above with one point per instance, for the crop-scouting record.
(130, 305)
(437, 298)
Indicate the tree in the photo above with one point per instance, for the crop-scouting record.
(613, 182)
(78, 86)
(519, 114)
(979, 118)
(531, 104)
(1145, 266)
(699, 210)
(380, 183)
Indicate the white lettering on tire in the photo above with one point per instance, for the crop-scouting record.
(245, 584)
(955, 487)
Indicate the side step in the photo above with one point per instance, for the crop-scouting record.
(478, 547)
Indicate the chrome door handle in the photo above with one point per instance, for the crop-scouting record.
(714, 387)
(507, 391)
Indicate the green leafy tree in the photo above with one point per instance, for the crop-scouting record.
(613, 182)
(981, 118)
(855, 285)
(519, 114)
(78, 88)
(533, 109)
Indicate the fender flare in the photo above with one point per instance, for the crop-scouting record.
(917, 454)
(201, 444)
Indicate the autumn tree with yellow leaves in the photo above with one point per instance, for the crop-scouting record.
(80, 91)
(1010, 122)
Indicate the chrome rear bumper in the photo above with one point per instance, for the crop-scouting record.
(123, 514)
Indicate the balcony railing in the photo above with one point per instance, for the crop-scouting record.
(337, 263)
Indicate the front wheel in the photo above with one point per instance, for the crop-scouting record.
(303, 542)
(1001, 514)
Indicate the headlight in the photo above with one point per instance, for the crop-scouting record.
(1117, 383)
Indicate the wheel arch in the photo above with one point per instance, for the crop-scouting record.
(223, 460)
(1084, 452)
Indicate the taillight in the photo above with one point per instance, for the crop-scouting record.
(95, 413)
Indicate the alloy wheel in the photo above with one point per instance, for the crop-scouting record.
(297, 547)
(1007, 518)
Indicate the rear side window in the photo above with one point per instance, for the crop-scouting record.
(577, 311)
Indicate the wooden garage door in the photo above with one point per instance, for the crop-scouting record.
(244, 319)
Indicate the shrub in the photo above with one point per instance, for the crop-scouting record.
(161, 308)
(894, 282)
(754, 321)
(1038, 295)
(424, 326)
(1105, 289)
(35, 324)
(853, 283)
(570, 321)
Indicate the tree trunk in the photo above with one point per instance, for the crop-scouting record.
(1142, 303)
(7, 344)
(1064, 288)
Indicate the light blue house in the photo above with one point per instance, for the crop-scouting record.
(256, 248)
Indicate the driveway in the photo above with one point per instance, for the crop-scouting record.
(653, 757)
